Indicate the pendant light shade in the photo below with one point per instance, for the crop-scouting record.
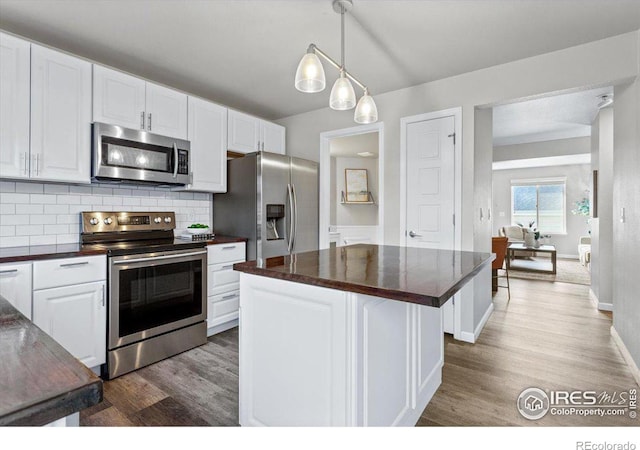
(310, 74)
(343, 96)
(366, 111)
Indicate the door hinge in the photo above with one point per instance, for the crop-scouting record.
(453, 135)
(454, 220)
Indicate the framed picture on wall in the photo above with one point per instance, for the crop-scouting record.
(357, 185)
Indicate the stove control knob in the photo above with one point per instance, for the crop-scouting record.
(157, 220)
(93, 221)
(108, 221)
(167, 219)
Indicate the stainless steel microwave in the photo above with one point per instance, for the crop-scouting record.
(136, 156)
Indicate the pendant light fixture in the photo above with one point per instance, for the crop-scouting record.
(310, 77)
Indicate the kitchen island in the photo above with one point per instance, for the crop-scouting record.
(348, 336)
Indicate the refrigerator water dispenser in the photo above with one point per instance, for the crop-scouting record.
(275, 222)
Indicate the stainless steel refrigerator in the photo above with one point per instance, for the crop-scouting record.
(272, 200)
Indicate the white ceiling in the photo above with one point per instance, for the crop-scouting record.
(350, 146)
(244, 53)
(545, 119)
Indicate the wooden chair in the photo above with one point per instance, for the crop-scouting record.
(499, 247)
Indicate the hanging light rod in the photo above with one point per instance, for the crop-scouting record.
(310, 77)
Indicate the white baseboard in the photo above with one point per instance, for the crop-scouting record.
(626, 355)
(602, 306)
(467, 336)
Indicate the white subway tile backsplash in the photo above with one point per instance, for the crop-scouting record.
(14, 219)
(29, 209)
(42, 240)
(7, 230)
(16, 241)
(56, 189)
(56, 209)
(7, 186)
(10, 197)
(57, 229)
(43, 198)
(29, 188)
(43, 213)
(29, 230)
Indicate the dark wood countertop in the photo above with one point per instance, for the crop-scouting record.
(39, 380)
(41, 252)
(416, 275)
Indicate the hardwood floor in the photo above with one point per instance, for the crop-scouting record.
(548, 336)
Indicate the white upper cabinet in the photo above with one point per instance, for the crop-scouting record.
(249, 134)
(166, 111)
(244, 132)
(272, 137)
(208, 136)
(122, 99)
(60, 117)
(118, 98)
(15, 69)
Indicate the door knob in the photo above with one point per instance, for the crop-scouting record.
(412, 234)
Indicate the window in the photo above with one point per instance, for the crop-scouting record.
(541, 201)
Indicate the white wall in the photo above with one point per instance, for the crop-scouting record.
(43, 214)
(602, 226)
(603, 62)
(578, 181)
(349, 214)
(558, 147)
(606, 62)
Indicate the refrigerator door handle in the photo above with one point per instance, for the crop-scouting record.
(290, 197)
(295, 216)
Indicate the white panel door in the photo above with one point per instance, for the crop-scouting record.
(15, 286)
(75, 316)
(15, 66)
(208, 136)
(118, 98)
(60, 116)
(430, 183)
(272, 137)
(244, 132)
(166, 111)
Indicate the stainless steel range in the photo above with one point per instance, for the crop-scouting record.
(157, 287)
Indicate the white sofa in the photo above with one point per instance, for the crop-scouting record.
(584, 250)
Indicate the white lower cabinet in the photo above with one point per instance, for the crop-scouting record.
(15, 286)
(76, 317)
(223, 286)
(70, 305)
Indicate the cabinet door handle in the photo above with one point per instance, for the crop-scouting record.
(142, 120)
(228, 297)
(228, 266)
(149, 124)
(8, 271)
(103, 295)
(229, 247)
(75, 264)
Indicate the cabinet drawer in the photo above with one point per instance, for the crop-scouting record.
(222, 253)
(64, 272)
(222, 278)
(223, 307)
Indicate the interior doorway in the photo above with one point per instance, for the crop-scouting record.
(352, 186)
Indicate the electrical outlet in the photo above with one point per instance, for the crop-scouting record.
(191, 215)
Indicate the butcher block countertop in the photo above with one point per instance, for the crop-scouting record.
(416, 275)
(40, 381)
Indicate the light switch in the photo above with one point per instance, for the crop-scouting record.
(501, 213)
(622, 216)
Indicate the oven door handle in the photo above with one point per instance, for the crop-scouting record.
(158, 258)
